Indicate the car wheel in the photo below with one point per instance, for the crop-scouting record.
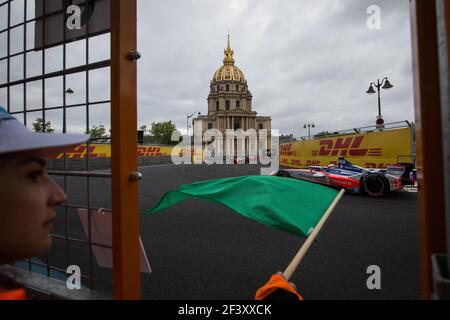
(283, 174)
(375, 185)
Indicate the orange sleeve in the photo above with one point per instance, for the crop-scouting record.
(276, 282)
(17, 294)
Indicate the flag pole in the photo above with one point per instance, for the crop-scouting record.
(307, 244)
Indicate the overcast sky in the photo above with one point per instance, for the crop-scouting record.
(305, 61)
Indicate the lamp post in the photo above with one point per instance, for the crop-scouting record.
(187, 120)
(69, 91)
(309, 126)
(384, 84)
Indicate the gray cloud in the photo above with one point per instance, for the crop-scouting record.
(304, 60)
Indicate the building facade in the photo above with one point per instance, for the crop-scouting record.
(230, 101)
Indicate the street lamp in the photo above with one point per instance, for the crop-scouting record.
(68, 91)
(309, 126)
(384, 84)
(187, 121)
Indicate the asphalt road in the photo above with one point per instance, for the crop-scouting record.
(201, 250)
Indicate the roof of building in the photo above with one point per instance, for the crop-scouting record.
(228, 72)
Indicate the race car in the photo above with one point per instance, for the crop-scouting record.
(372, 182)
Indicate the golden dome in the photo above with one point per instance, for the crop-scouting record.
(229, 71)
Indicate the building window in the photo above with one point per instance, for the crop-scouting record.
(227, 88)
(218, 88)
(227, 104)
(237, 125)
(238, 104)
(217, 105)
(261, 126)
(210, 125)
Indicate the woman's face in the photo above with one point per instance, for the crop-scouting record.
(27, 205)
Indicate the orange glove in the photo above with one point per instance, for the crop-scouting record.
(278, 288)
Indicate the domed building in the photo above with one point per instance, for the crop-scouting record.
(230, 101)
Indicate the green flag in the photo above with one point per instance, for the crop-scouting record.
(287, 204)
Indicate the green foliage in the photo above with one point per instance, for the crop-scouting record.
(325, 134)
(97, 132)
(162, 132)
(40, 126)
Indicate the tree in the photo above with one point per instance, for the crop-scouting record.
(97, 132)
(325, 134)
(40, 126)
(322, 134)
(162, 132)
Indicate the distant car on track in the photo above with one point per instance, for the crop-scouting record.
(372, 182)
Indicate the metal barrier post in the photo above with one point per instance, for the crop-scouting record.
(126, 254)
(428, 138)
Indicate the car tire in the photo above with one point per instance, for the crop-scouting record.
(283, 174)
(375, 185)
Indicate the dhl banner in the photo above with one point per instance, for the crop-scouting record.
(371, 150)
(104, 151)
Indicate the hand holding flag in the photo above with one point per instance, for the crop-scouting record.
(278, 286)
